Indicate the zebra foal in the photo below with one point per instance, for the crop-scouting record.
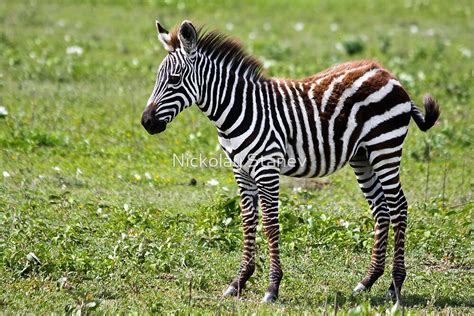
(354, 113)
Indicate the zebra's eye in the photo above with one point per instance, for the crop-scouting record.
(173, 79)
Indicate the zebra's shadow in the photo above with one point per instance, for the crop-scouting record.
(412, 300)
(408, 300)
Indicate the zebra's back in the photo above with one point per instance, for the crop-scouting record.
(336, 112)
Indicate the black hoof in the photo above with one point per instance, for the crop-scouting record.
(393, 294)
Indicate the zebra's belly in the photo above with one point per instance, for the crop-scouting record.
(315, 161)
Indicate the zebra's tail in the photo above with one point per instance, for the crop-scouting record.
(425, 122)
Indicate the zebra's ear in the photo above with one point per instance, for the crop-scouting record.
(164, 37)
(187, 36)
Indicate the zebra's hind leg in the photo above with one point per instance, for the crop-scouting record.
(386, 163)
(373, 192)
(248, 204)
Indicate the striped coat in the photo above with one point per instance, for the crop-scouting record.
(319, 122)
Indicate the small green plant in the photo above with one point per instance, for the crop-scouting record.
(353, 45)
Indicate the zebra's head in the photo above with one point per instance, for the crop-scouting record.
(175, 88)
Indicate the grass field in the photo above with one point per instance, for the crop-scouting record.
(96, 217)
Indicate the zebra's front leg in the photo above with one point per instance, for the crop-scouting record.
(248, 204)
(268, 189)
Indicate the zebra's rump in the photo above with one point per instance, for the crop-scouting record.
(337, 112)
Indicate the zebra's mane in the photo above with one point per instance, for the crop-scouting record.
(224, 48)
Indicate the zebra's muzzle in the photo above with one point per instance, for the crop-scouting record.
(153, 126)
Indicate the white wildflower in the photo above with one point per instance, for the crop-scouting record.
(148, 175)
(413, 29)
(406, 77)
(252, 35)
(3, 111)
(137, 177)
(229, 26)
(421, 75)
(74, 50)
(267, 26)
(299, 26)
(430, 32)
(31, 257)
(224, 188)
(78, 172)
(126, 207)
(466, 52)
(344, 223)
(339, 46)
(213, 182)
(267, 63)
(62, 283)
(181, 6)
(56, 168)
(6, 174)
(334, 27)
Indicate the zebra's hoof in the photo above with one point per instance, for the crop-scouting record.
(231, 291)
(391, 294)
(269, 297)
(360, 288)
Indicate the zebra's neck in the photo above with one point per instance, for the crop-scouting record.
(227, 93)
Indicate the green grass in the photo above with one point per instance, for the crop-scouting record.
(117, 227)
